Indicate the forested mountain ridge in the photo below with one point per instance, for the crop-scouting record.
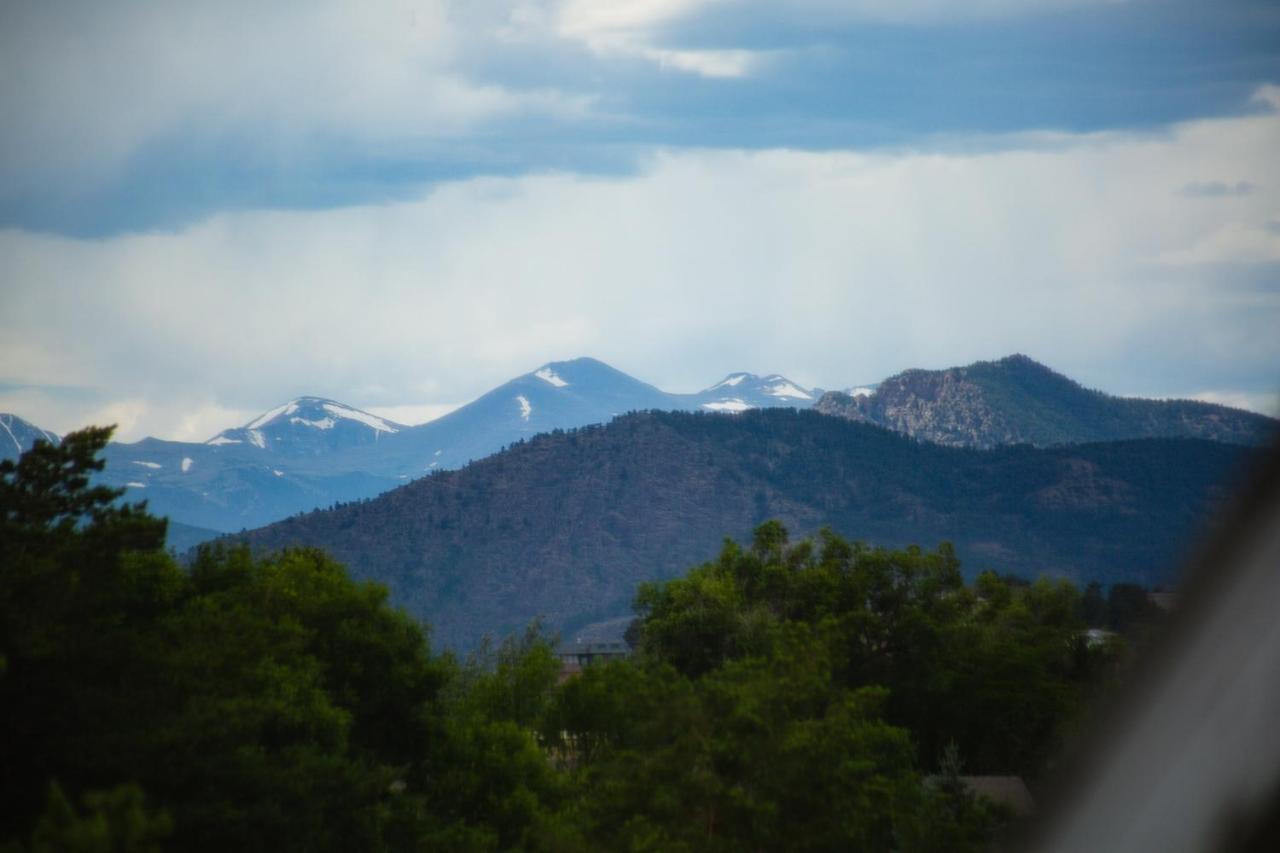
(1017, 400)
(566, 524)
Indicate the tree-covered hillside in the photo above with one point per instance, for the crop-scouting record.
(810, 696)
(565, 525)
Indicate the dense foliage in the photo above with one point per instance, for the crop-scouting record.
(811, 696)
(241, 705)
(790, 696)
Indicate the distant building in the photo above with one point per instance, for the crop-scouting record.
(1097, 636)
(1008, 791)
(577, 655)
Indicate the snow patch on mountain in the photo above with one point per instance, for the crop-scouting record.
(526, 408)
(860, 391)
(784, 388)
(29, 432)
(152, 465)
(16, 443)
(729, 381)
(257, 439)
(731, 405)
(365, 418)
(187, 462)
(546, 374)
(267, 417)
(323, 423)
(222, 439)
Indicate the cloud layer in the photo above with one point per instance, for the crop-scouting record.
(1083, 250)
(138, 116)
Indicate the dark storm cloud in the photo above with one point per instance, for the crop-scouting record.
(122, 119)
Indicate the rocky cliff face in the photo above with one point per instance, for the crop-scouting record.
(1018, 401)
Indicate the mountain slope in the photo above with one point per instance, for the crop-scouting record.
(1017, 400)
(559, 395)
(17, 436)
(233, 486)
(565, 525)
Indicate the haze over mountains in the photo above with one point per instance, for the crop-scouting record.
(313, 452)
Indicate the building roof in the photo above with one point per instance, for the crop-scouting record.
(577, 647)
(1006, 790)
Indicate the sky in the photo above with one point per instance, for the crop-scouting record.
(207, 209)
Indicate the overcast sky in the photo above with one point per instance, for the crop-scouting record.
(208, 209)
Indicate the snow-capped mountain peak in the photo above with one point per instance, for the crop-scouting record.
(740, 391)
(310, 423)
(319, 413)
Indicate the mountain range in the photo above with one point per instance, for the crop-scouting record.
(563, 526)
(314, 452)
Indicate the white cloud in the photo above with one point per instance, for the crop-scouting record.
(89, 86)
(595, 19)
(626, 29)
(1266, 404)
(708, 63)
(1232, 242)
(182, 416)
(827, 267)
(920, 11)
(1262, 403)
(635, 27)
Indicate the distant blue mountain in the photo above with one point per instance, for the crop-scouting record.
(560, 395)
(293, 458)
(309, 426)
(312, 452)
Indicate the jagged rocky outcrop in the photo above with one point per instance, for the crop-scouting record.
(1017, 400)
